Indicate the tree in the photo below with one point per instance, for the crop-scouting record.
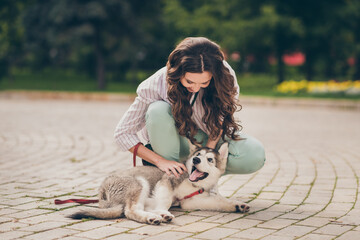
(102, 30)
(320, 25)
(251, 27)
(350, 16)
(11, 34)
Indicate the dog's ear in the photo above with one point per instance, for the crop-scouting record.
(192, 147)
(223, 156)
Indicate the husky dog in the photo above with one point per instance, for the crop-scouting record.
(146, 193)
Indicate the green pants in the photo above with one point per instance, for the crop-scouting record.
(245, 156)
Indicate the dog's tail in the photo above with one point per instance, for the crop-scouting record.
(99, 213)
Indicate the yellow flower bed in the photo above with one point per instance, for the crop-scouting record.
(346, 87)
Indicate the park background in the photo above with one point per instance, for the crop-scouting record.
(277, 48)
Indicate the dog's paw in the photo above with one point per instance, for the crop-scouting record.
(167, 217)
(242, 207)
(154, 220)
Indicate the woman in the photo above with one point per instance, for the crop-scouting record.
(195, 96)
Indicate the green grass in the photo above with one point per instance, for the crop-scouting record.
(257, 84)
(60, 80)
(68, 80)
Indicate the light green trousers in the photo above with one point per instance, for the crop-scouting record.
(245, 156)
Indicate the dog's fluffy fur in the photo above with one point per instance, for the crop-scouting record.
(145, 193)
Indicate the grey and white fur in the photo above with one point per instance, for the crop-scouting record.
(145, 193)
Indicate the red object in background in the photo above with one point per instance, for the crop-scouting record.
(351, 61)
(235, 56)
(294, 59)
(272, 60)
(250, 58)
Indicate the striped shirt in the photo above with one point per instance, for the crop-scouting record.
(151, 90)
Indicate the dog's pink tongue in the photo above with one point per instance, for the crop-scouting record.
(195, 175)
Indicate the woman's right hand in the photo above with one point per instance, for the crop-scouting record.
(171, 167)
(167, 166)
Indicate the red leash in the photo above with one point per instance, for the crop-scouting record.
(200, 191)
(87, 201)
(81, 201)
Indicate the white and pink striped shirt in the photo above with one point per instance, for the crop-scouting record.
(151, 90)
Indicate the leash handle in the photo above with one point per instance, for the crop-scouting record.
(135, 153)
(73, 200)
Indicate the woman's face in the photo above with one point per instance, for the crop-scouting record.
(194, 81)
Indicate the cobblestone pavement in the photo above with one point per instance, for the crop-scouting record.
(308, 189)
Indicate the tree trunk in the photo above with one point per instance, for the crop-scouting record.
(309, 65)
(100, 63)
(4, 69)
(357, 67)
(330, 67)
(280, 68)
(280, 50)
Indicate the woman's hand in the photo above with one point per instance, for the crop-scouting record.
(171, 167)
(167, 166)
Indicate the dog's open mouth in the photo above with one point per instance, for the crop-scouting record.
(197, 175)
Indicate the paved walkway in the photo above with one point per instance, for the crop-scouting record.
(308, 189)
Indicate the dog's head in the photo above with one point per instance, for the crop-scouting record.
(206, 165)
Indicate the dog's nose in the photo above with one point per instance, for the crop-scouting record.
(196, 160)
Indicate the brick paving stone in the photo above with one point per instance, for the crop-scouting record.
(264, 215)
(42, 226)
(52, 234)
(276, 237)
(314, 222)
(196, 227)
(330, 213)
(170, 235)
(351, 219)
(308, 209)
(316, 237)
(216, 233)
(11, 226)
(221, 217)
(12, 235)
(333, 229)
(242, 224)
(283, 208)
(46, 217)
(5, 211)
(253, 233)
(203, 213)
(28, 213)
(5, 219)
(101, 232)
(351, 235)
(65, 148)
(185, 219)
(82, 226)
(270, 195)
(295, 231)
(125, 236)
(295, 216)
(125, 223)
(74, 238)
(277, 223)
(152, 230)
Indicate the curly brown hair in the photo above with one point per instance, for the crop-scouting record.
(196, 55)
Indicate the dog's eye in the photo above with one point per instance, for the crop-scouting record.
(210, 159)
(198, 154)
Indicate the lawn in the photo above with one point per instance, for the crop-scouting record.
(67, 80)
